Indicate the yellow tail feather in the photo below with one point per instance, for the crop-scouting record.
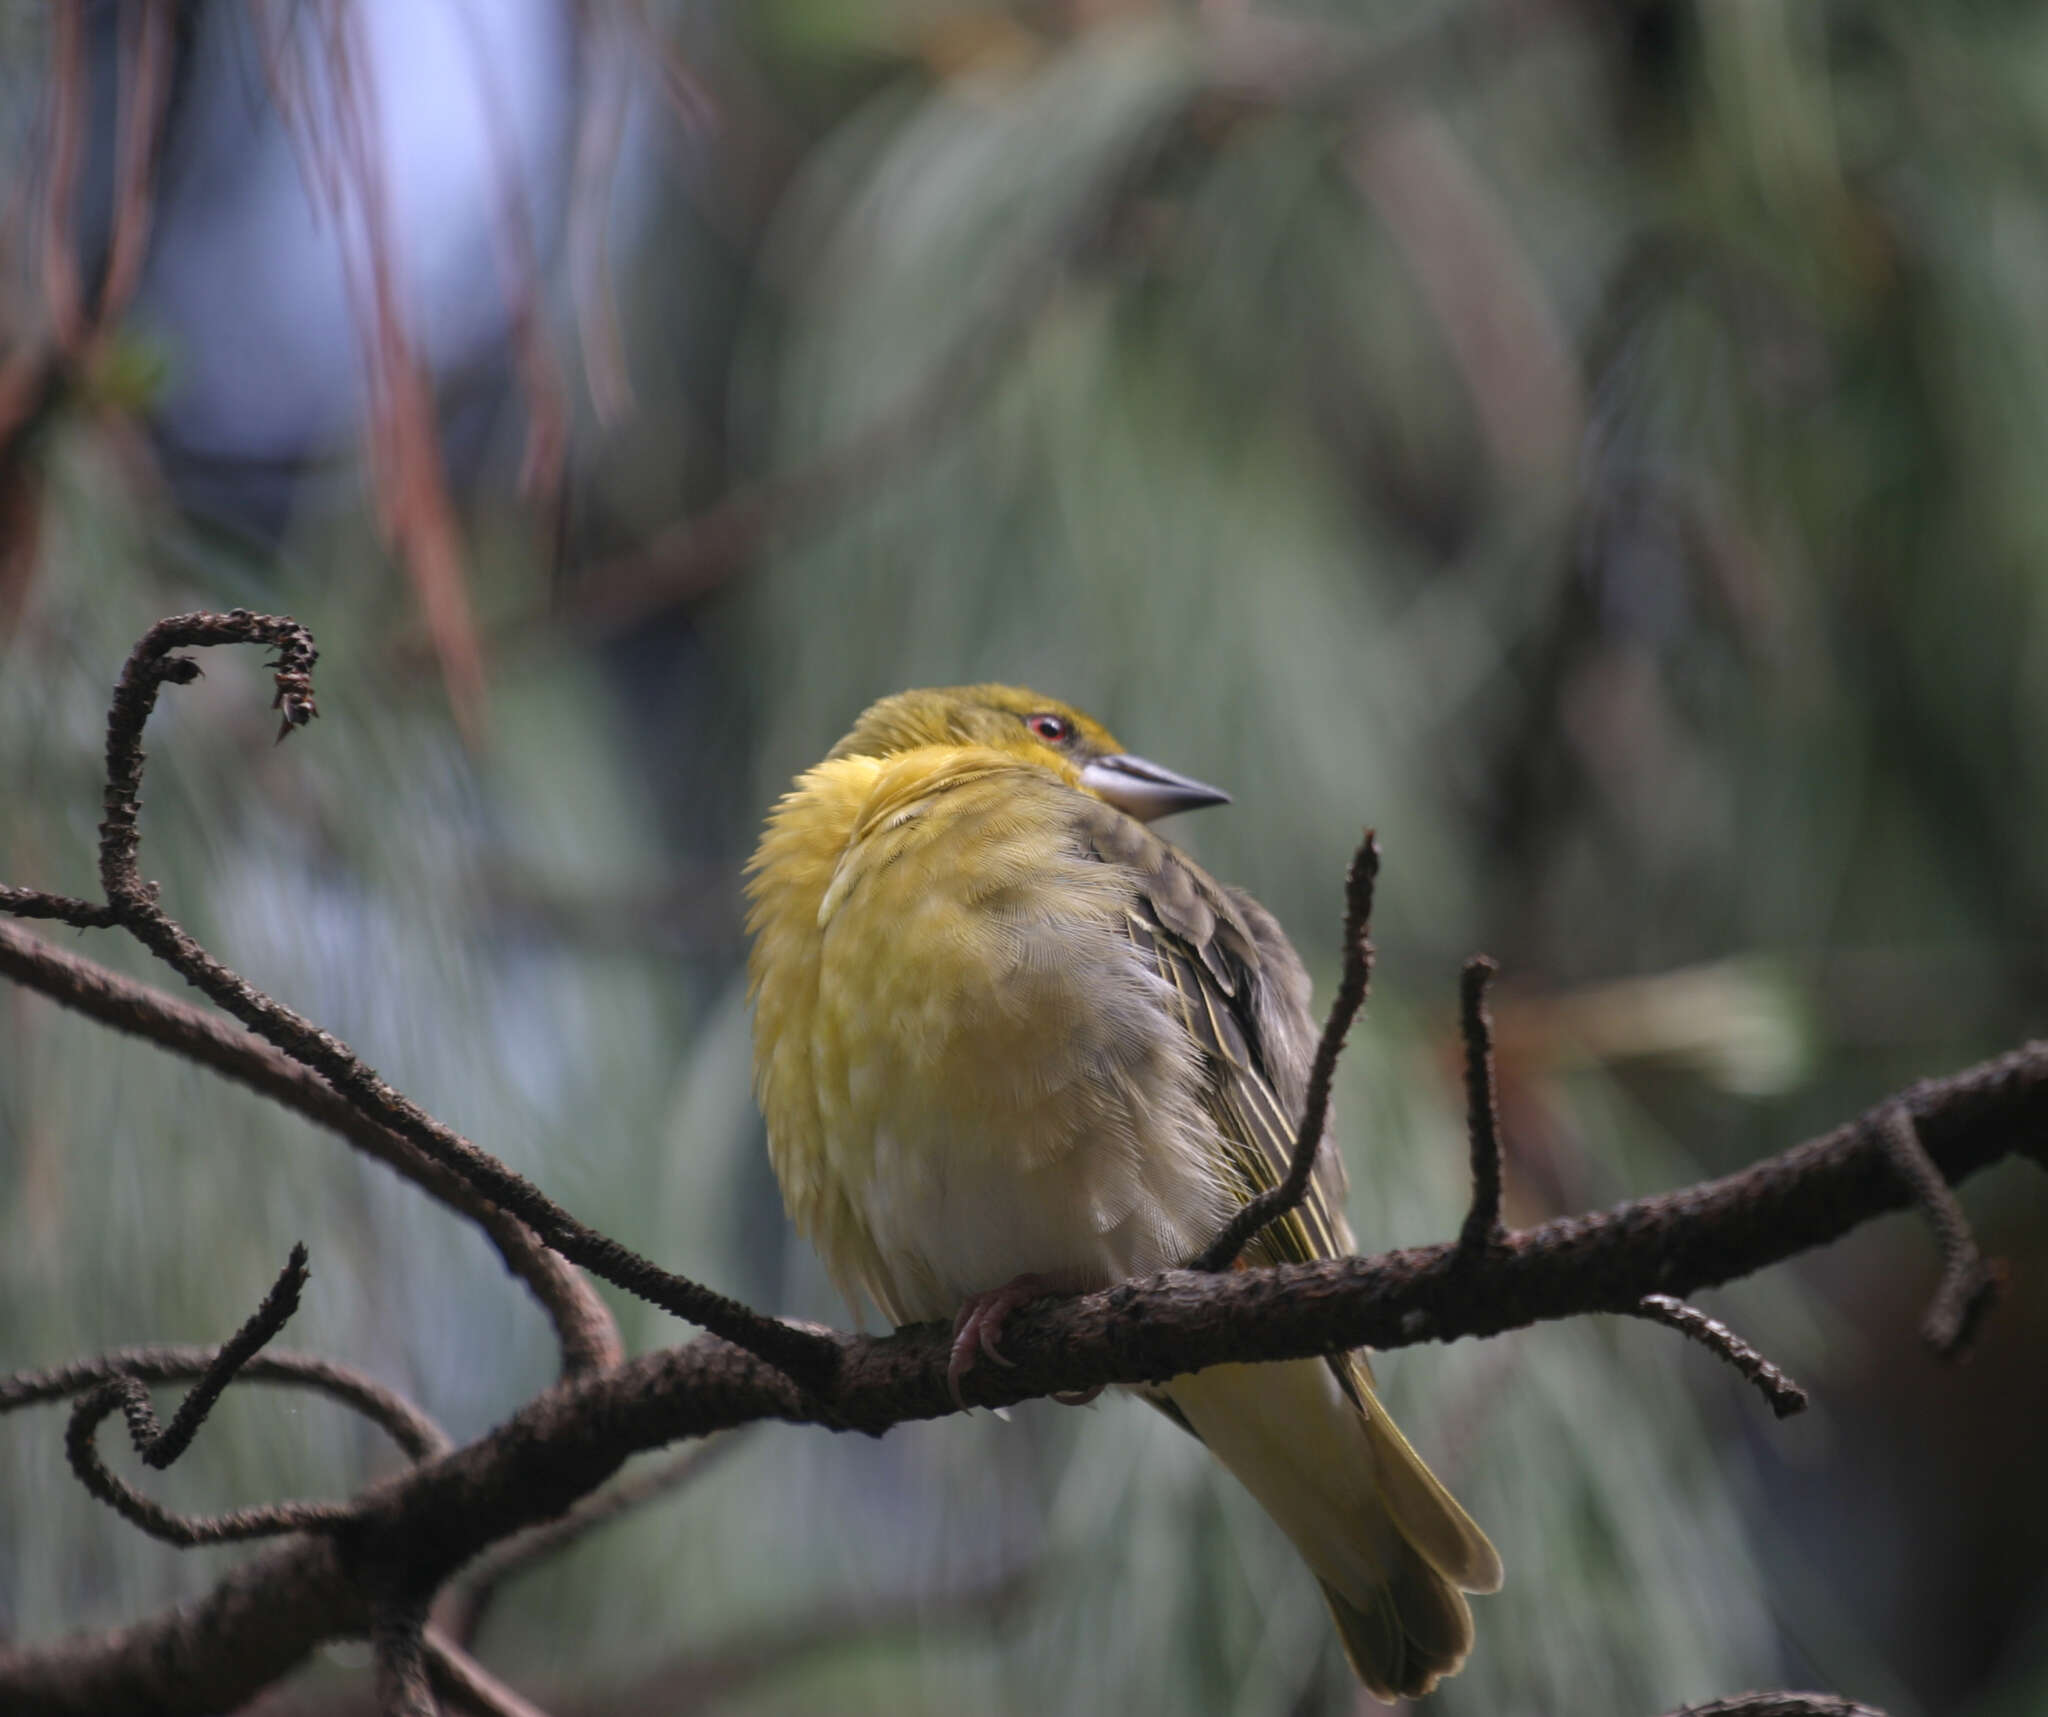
(1391, 1547)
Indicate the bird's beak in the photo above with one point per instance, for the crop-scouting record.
(1145, 790)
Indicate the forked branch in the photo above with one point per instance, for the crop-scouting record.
(132, 905)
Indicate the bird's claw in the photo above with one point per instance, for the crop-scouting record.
(978, 1326)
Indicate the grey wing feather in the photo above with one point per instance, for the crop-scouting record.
(1242, 994)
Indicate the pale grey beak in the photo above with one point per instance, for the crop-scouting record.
(1145, 790)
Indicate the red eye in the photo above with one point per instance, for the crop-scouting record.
(1053, 729)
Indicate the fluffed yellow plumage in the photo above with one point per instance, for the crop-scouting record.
(1009, 1041)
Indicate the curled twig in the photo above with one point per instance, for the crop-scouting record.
(128, 1396)
(397, 1417)
(803, 1354)
(1277, 1201)
(151, 666)
(1483, 1229)
(1969, 1286)
(160, 1446)
(160, 1449)
(1784, 1395)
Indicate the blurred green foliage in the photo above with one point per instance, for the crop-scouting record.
(1598, 446)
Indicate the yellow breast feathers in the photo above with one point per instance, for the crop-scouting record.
(968, 1071)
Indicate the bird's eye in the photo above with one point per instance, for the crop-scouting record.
(1053, 729)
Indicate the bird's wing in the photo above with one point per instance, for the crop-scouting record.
(1241, 994)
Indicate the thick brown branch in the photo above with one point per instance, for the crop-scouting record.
(1784, 1396)
(1969, 1286)
(1277, 1201)
(584, 1327)
(403, 1689)
(1483, 1229)
(265, 1616)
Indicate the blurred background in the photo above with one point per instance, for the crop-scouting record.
(1598, 443)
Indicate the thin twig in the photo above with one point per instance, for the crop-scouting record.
(397, 1417)
(1785, 1396)
(159, 1450)
(397, 1638)
(1277, 1201)
(1483, 1229)
(1969, 1286)
(808, 1356)
(34, 903)
(266, 1520)
(160, 1446)
(585, 1330)
(464, 1683)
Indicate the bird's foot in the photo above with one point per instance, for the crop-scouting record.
(978, 1326)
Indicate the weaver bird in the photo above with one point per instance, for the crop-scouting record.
(1009, 1042)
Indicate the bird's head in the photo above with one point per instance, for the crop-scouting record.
(1039, 730)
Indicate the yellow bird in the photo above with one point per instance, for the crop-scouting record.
(1009, 1042)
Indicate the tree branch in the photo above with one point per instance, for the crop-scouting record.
(397, 1417)
(584, 1328)
(371, 1564)
(265, 1615)
(159, 1449)
(396, 1637)
(265, 1520)
(465, 1684)
(1483, 1229)
(1784, 1396)
(127, 1393)
(1969, 1286)
(150, 666)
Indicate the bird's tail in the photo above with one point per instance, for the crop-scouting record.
(1390, 1545)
